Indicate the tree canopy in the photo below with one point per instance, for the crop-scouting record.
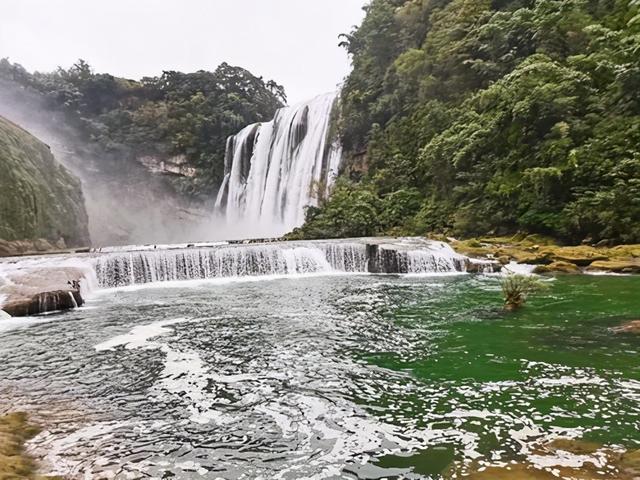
(475, 117)
(176, 113)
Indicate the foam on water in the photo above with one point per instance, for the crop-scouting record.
(138, 337)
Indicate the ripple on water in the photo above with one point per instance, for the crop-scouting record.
(364, 377)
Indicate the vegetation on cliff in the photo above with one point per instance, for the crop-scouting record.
(474, 117)
(175, 114)
(40, 198)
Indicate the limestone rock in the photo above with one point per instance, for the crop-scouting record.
(41, 290)
(44, 302)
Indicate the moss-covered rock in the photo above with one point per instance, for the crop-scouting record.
(40, 199)
(581, 256)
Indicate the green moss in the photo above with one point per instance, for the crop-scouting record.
(40, 198)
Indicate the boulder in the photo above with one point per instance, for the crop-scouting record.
(43, 302)
(40, 290)
(557, 267)
(630, 265)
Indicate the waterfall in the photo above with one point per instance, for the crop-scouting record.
(275, 169)
(41, 284)
(119, 269)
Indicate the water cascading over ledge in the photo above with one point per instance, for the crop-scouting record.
(410, 256)
(40, 284)
(275, 169)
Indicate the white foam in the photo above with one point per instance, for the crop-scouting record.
(140, 335)
(518, 268)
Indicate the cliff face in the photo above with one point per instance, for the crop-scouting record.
(39, 198)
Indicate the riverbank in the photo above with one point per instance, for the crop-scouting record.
(549, 257)
(15, 463)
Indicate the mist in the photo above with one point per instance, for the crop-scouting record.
(126, 204)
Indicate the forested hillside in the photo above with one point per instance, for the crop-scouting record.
(184, 118)
(475, 117)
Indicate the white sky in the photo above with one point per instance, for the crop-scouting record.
(294, 42)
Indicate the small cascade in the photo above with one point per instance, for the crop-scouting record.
(118, 269)
(434, 257)
(43, 284)
(74, 303)
(274, 170)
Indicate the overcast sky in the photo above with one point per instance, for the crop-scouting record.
(294, 42)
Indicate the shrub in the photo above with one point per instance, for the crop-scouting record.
(516, 289)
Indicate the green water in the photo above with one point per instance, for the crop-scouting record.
(555, 361)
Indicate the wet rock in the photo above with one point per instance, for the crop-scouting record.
(41, 290)
(44, 302)
(504, 260)
(630, 464)
(557, 267)
(511, 472)
(14, 432)
(576, 446)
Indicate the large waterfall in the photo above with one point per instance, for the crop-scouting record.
(273, 170)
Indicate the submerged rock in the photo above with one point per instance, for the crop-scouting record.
(630, 327)
(15, 430)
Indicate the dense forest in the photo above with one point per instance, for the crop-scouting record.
(475, 117)
(189, 114)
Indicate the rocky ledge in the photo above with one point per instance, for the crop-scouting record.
(551, 258)
(40, 246)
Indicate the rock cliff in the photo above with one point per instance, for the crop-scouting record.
(39, 199)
